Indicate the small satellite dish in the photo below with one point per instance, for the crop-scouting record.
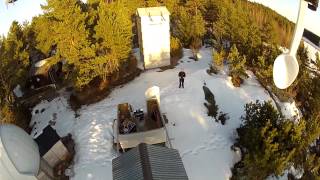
(9, 2)
(286, 67)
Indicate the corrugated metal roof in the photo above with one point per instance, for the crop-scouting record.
(128, 166)
(153, 11)
(315, 39)
(149, 162)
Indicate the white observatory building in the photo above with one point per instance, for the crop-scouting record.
(19, 154)
(154, 36)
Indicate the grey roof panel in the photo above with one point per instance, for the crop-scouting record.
(166, 163)
(149, 162)
(127, 166)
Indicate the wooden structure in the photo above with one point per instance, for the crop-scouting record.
(129, 130)
(56, 154)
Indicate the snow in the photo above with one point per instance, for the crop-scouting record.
(17, 91)
(56, 113)
(290, 110)
(204, 145)
(312, 49)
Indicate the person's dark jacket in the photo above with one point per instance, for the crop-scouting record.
(182, 75)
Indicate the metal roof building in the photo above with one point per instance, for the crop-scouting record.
(149, 162)
(313, 38)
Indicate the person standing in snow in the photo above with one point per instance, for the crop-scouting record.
(181, 75)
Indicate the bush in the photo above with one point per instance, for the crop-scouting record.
(211, 103)
(218, 59)
(236, 81)
(223, 117)
(213, 108)
(212, 70)
(12, 114)
(269, 144)
(195, 45)
(175, 47)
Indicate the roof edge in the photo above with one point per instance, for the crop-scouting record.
(144, 156)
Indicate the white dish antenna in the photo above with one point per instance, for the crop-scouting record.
(19, 154)
(286, 67)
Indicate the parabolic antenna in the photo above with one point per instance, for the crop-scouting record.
(286, 67)
(19, 154)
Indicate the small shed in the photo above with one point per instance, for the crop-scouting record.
(47, 140)
(56, 153)
(149, 162)
(44, 72)
(153, 25)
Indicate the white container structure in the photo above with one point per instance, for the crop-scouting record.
(154, 36)
(19, 154)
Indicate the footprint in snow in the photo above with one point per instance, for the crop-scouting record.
(185, 153)
(194, 152)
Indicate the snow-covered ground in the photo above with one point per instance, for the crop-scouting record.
(204, 145)
(312, 49)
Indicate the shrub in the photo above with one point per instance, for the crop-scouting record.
(223, 117)
(211, 103)
(236, 81)
(269, 144)
(12, 114)
(213, 108)
(175, 47)
(213, 70)
(218, 59)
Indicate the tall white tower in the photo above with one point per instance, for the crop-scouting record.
(154, 36)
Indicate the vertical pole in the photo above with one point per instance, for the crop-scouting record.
(298, 32)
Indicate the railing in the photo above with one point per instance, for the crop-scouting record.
(131, 140)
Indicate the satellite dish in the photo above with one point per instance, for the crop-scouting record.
(9, 2)
(286, 67)
(19, 154)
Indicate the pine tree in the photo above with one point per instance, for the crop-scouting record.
(152, 3)
(45, 34)
(14, 62)
(190, 27)
(71, 37)
(171, 5)
(237, 63)
(317, 55)
(218, 59)
(114, 36)
(307, 155)
(269, 143)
